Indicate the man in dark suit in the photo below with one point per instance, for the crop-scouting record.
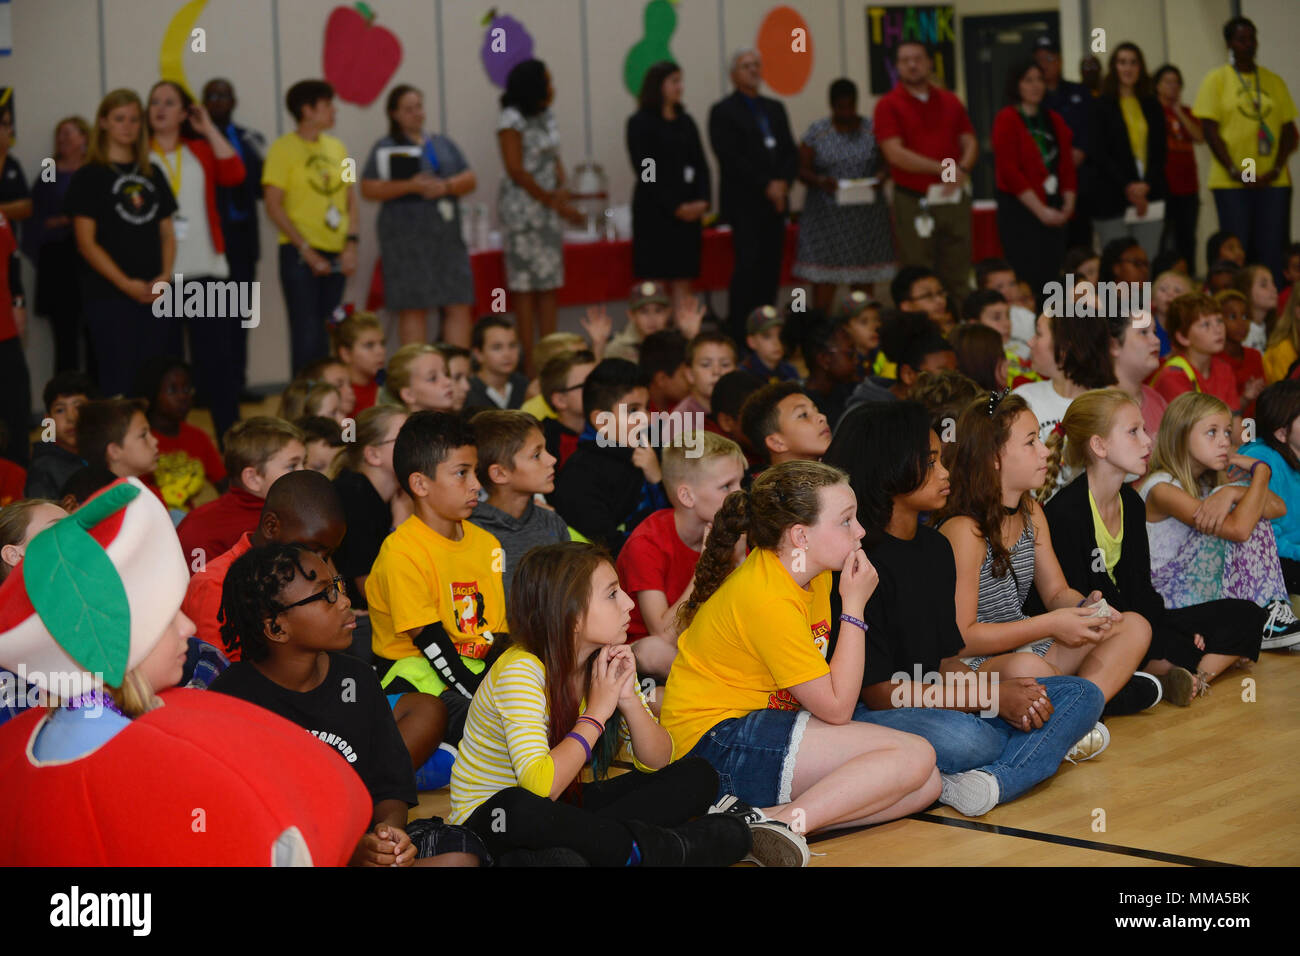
(758, 160)
(237, 206)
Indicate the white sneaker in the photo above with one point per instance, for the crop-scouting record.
(1283, 628)
(972, 794)
(1091, 744)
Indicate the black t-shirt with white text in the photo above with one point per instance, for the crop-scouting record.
(127, 206)
(348, 712)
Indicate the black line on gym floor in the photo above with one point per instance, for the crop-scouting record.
(1035, 835)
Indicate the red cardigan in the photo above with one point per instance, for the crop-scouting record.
(216, 172)
(1018, 163)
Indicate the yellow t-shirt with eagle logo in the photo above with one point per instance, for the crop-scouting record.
(757, 636)
(315, 195)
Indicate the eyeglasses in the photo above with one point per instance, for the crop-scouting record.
(927, 295)
(1136, 263)
(570, 388)
(330, 594)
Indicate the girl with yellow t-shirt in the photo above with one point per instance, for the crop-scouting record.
(565, 695)
(751, 690)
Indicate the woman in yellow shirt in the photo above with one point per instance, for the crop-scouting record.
(751, 689)
(564, 695)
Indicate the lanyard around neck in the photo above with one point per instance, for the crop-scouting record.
(173, 176)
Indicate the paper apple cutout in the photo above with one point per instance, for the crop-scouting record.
(785, 70)
(506, 43)
(359, 58)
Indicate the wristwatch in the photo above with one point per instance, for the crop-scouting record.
(19, 302)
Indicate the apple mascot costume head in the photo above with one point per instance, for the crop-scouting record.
(182, 778)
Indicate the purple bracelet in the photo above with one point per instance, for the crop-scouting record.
(582, 740)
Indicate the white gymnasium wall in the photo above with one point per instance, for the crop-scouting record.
(66, 53)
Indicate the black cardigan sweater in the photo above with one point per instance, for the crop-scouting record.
(1113, 163)
(1069, 518)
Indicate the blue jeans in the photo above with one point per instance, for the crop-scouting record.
(310, 299)
(1259, 218)
(1019, 760)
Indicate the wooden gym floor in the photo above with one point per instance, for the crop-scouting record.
(1206, 785)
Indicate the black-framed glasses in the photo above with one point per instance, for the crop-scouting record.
(330, 594)
(1138, 263)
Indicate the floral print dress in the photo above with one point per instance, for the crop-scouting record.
(1190, 567)
(532, 235)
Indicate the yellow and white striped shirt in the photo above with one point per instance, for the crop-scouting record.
(505, 742)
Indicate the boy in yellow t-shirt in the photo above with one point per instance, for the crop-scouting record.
(437, 607)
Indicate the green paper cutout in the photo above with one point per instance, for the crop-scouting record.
(660, 22)
(78, 593)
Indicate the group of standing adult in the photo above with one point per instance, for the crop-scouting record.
(1121, 160)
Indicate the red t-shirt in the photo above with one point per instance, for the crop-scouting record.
(203, 596)
(655, 559)
(216, 526)
(1172, 381)
(931, 127)
(194, 443)
(13, 478)
(366, 396)
(1180, 161)
(1250, 365)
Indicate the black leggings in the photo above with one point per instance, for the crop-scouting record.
(517, 819)
(1229, 626)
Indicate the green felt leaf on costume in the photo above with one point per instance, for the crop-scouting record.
(77, 592)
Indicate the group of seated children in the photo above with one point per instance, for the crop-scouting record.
(778, 606)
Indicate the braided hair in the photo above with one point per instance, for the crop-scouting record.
(250, 596)
(783, 495)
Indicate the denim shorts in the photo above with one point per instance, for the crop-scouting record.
(754, 755)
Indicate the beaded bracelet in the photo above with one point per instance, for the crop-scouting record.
(857, 622)
(600, 728)
(585, 746)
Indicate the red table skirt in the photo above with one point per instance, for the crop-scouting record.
(602, 271)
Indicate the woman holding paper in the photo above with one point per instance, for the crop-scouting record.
(844, 234)
(1035, 178)
(1129, 150)
(419, 178)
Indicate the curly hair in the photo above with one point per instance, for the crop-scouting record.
(977, 485)
(250, 596)
(784, 495)
(884, 447)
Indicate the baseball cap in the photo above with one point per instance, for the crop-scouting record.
(762, 319)
(646, 292)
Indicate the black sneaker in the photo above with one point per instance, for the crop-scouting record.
(1142, 692)
(775, 844)
(556, 856)
(710, 840)
(1282, 629)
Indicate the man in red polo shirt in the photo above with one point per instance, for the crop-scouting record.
(303, 508)
(923, 130)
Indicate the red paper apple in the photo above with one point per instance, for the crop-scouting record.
(359, 57)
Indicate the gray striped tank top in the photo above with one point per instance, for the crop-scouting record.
(1002, 597)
